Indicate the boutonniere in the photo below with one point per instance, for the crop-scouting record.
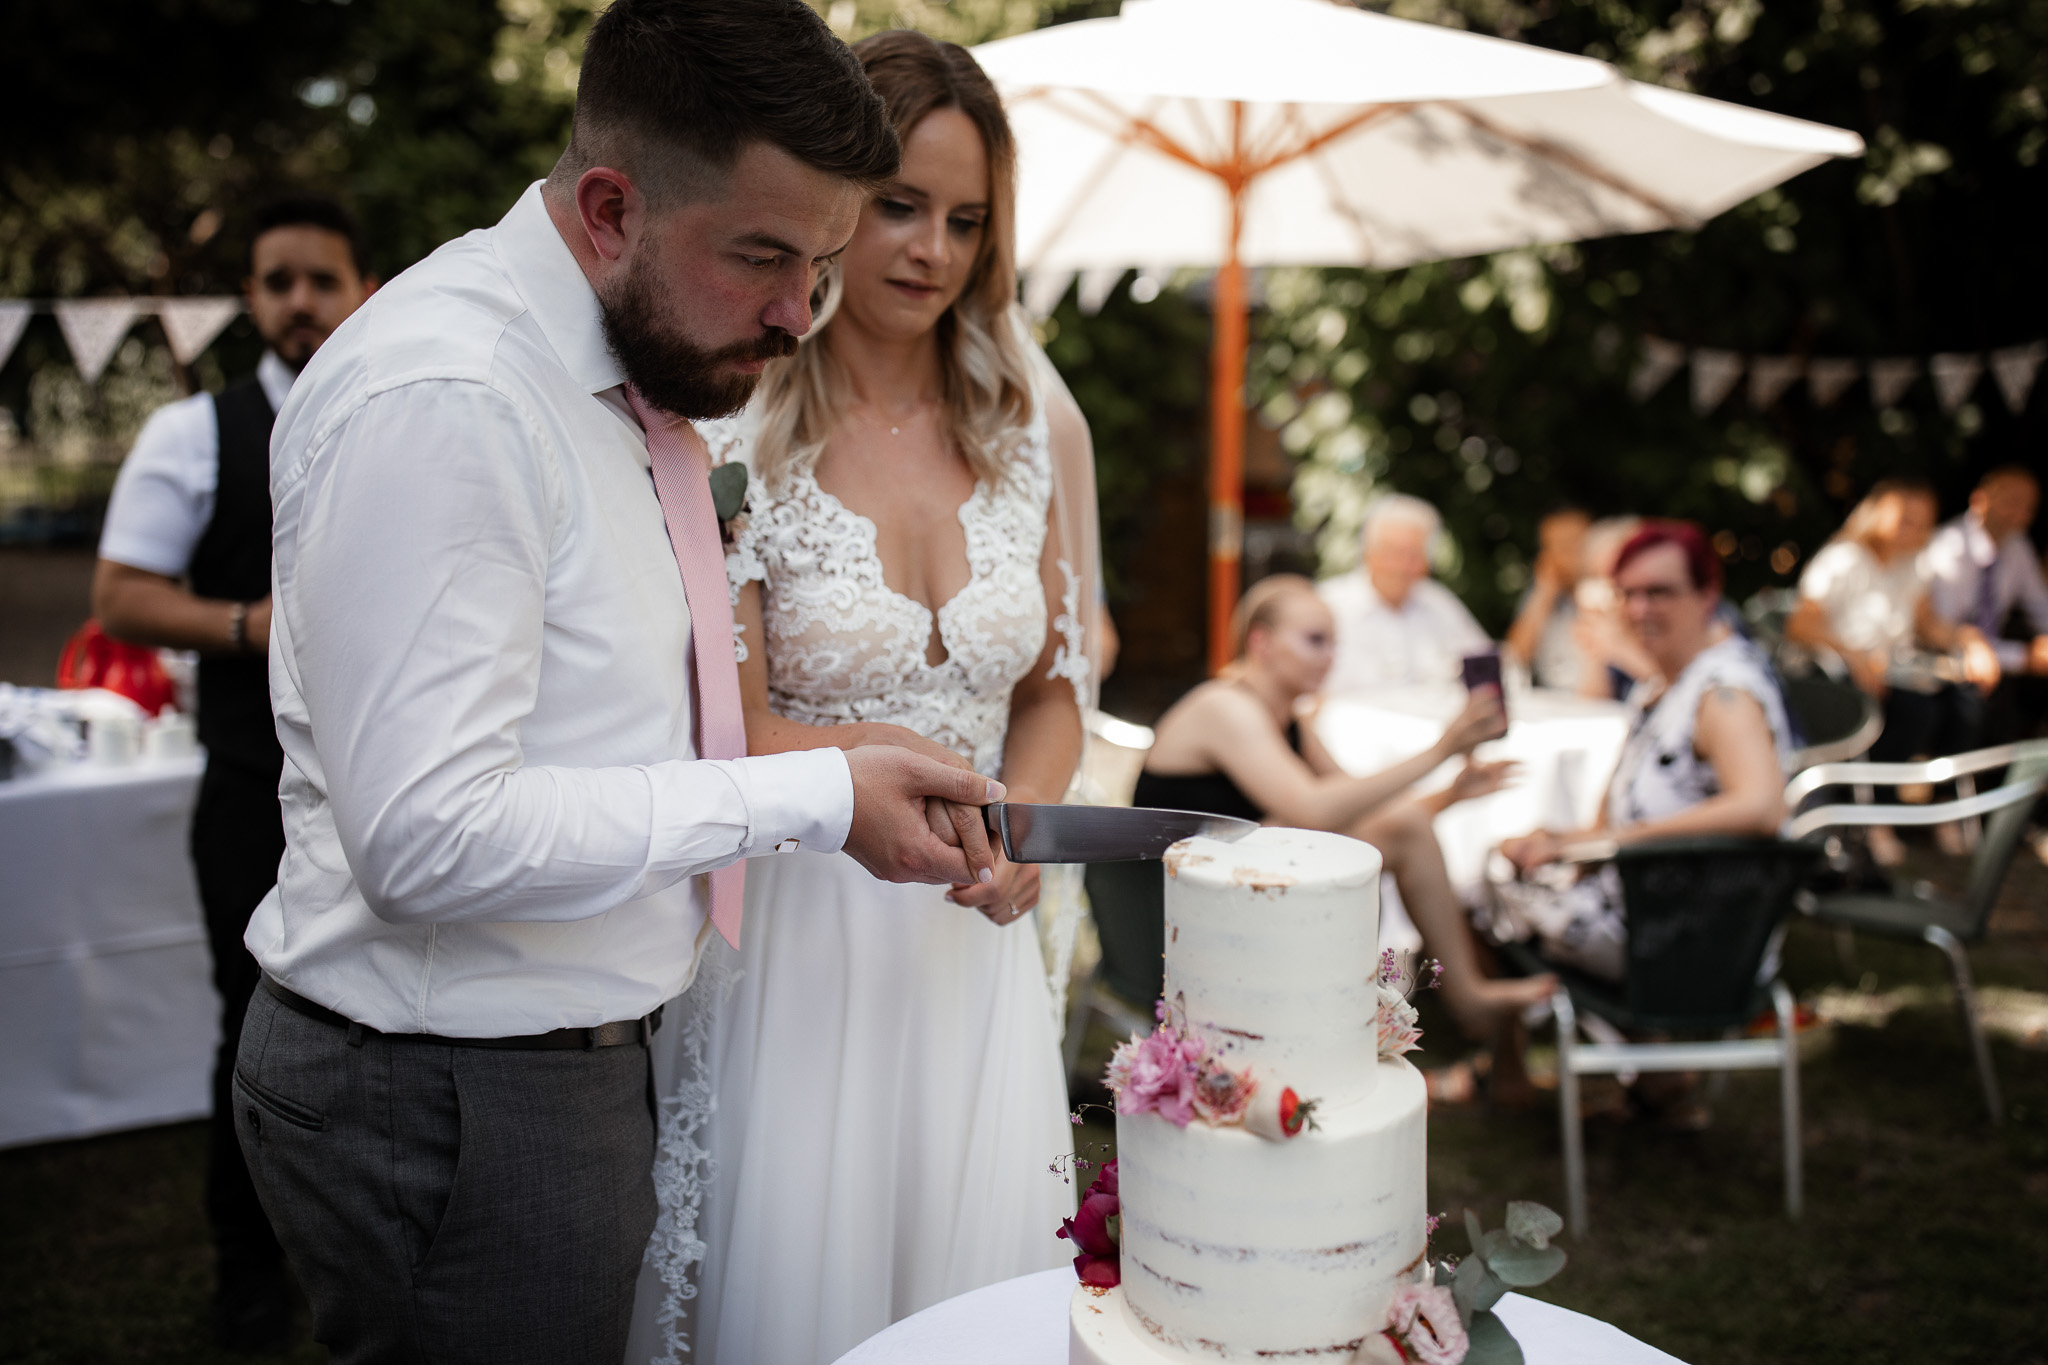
(729, 497)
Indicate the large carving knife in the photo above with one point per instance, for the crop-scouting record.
(1101, 834)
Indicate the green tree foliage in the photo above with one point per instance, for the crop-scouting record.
(1498, 386)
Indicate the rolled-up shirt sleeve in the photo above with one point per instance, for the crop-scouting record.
(414, 595)
(163, 496)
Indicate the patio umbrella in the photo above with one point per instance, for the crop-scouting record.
(1234, 133)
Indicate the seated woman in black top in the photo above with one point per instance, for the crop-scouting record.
(1234, 747)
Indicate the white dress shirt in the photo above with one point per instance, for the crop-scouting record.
(479, 663)
(1424, 640)
(163, 496)
(1956, 562)
(1869, 606)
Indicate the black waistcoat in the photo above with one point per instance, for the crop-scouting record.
(232, 562)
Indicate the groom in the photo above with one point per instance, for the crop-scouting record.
(501, 662)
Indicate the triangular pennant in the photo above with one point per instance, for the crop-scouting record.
(2014, 368)
(1043, 290)
(1713, 374)
(14, 315)
(1659, 361)
(1955, 374)
(1097, 284)
(1828, 377)
(1771, 375)
(1890, 378)
(93, 329)
(191, 324)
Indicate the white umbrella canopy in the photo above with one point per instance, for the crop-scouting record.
(1295, 132)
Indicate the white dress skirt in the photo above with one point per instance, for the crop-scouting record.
(890, 1106)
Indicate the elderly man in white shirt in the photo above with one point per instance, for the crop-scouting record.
(1396, 624)
(485, 665)
(1982, 570)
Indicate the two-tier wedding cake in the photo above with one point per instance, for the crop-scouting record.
(1270, 1161)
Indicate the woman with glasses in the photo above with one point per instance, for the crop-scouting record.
(1705, 754)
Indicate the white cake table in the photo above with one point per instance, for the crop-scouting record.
(106, 987)
(1024, 1322)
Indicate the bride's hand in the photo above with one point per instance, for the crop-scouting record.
(878, 733)
(1013, 891)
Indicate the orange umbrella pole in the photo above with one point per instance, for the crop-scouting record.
(1226, 448)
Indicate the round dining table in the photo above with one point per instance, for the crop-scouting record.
(1024, 1322)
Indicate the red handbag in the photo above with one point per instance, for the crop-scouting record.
(92, 658)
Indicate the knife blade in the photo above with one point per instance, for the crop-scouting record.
(1100, 834)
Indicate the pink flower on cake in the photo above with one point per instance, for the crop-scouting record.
(1158, 1073)
(1096, 1232)
(1399, 1029)
(1423, 1325)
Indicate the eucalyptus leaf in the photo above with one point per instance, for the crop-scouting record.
(1492, 1343)
(1472, 1231)
(728, 489)
(1517, 1263)
(1533, 1223)
(1444, 1274)
(1475, 1287)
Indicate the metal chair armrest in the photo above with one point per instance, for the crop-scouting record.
(1827, 817)
(1947, 769)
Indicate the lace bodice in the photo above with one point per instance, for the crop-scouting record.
(844, 647)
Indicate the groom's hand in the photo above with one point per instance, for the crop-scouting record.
(891, 835)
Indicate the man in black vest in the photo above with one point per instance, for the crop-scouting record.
(185, 563)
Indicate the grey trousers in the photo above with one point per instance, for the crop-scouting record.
(446, 1204)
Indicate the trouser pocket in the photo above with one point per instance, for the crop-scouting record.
(256, 1101)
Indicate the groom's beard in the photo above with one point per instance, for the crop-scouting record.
(672, 372)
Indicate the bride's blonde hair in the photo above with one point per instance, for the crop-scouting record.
(984, 366)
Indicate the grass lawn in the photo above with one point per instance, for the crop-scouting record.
(1925, 1237)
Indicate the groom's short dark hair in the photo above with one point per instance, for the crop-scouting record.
(672, 91)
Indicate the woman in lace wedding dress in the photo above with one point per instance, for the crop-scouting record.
(866, 1098)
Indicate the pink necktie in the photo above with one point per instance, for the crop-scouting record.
(682, 484)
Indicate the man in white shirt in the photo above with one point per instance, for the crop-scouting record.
(185, 563)
(1396, 624)
(483, 665)
(1983, 571)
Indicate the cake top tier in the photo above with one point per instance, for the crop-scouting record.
(1272, 949)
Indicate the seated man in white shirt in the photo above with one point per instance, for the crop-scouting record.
(1982, 570)
(1396, 624)
(185, 563)
(502, 664)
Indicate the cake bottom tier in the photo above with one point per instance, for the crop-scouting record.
(1237, 1248)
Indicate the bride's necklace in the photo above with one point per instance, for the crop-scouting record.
(874, 415)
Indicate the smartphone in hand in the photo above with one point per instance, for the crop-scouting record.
(1482, 670)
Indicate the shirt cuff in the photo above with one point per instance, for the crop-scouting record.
(805, 795)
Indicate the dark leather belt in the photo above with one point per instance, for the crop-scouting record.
(555, 1040)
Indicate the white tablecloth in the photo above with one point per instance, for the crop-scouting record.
(1567, 746)
(106, 991)
(1024, 1322)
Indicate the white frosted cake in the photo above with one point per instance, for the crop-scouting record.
(1247, 1234)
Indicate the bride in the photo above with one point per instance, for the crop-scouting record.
(860, 1107)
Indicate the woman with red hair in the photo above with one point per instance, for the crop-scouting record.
(1706, 751)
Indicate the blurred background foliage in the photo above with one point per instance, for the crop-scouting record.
(1495, 386)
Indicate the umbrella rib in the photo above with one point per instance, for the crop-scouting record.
(1315, 142)
(1572, 161)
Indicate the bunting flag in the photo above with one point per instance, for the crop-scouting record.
(1829, 377)
(2014, 368)
(14, 315)
(1891, 377)
(1771, 375)
(1955, 375)
(1660, 360)
(1713, 375)
(190, 325)
(1097, 284)
(93, 329)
